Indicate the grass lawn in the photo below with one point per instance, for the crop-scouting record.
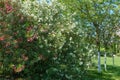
(112, 73)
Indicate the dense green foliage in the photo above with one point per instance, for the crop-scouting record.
(55, 40)
(35, 42)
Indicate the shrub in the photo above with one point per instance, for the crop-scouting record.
(40, 41)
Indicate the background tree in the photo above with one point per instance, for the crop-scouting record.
(98, 15)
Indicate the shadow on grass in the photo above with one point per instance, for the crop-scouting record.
(114, 70)
(94, 75)
(112, 73)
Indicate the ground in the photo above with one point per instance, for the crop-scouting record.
(112, 73)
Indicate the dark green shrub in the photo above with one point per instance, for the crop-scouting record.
(45, 50)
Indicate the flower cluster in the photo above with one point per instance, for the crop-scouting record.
(8, 7)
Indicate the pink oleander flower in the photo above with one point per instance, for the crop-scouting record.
(8, 7)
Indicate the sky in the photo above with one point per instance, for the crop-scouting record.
(48, 1)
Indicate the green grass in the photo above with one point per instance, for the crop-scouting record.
(110, 61)
(112, 73)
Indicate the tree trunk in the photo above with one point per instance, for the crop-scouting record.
(99, 65)
(97, 27)
(113, 59)
(105, 61)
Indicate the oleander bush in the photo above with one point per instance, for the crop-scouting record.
(38, 40)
